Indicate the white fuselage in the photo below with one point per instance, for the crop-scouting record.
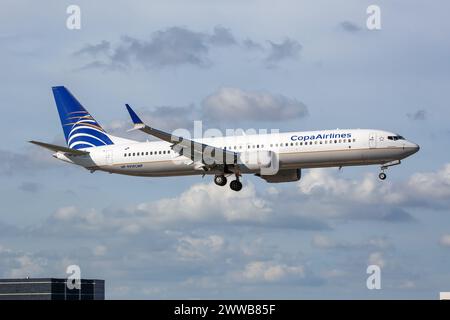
(295, 150)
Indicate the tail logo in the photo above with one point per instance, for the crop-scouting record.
(84, 131)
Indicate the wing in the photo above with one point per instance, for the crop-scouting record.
(56, 148)
(207, 155)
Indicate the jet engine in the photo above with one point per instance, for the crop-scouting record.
(286, 175)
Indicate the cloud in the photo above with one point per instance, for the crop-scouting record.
(251, 45)
(445, 240)
(322, 241)
(93, 50)
(236, 104)
(166, 118)
(419, 115)
(271, 272)
(330, 196)
(322, 195)
(349, 26)
(222, 37)
(174, 46)
(377, 258)
(200, 248)
(32, 159)
(30, 187)
(19, 264)
(428, 188)
(225, 106)
(287, 50)
(361, 197)
(178, 46)
(201, 205)
(100, 250)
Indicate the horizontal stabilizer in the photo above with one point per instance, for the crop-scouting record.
(56, 148)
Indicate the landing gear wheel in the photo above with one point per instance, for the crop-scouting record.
(236, 185)
(220, 180)
(382, 176)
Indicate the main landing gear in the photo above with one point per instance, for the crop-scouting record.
(236, 185)
(382, 175)
(221, 180)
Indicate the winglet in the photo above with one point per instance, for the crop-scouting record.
(134, 117)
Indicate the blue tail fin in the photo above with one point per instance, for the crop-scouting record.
(80, 128)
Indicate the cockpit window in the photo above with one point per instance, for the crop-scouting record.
(395, 138)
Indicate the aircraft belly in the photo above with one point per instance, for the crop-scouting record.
(336, 158)
(156, 168)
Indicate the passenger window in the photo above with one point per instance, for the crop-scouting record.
(257, 146)
(340, 140)
(271, 145)
(301, 143)
(315, 142)
(125, 155)
(129, 154)
(335, 141)
(287, 144)
(354, 140)
(146, 153)
(159, 152)
(151, 152)
(310, 143)
(134, 154)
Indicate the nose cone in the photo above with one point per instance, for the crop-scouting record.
(411, 148)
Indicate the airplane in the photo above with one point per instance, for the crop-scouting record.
(274, 157)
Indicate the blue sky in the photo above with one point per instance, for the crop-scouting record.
(314, 62)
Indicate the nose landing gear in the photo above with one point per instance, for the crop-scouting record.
(382, 175)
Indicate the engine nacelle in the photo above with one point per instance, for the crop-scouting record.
(258, 159)
(286, 175)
